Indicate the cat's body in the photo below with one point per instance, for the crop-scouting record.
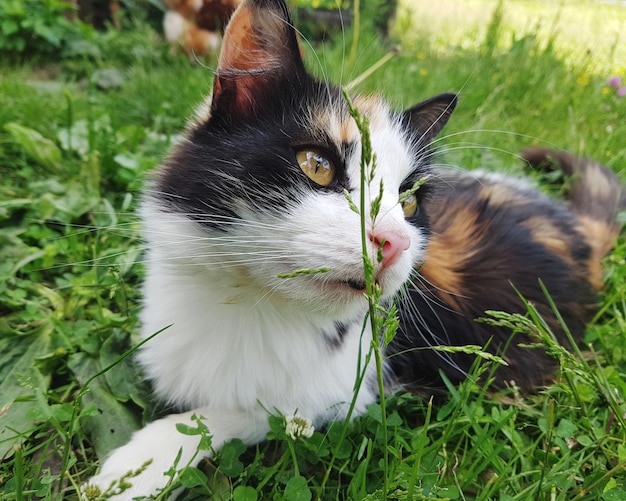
(256, 192)
(494, 238)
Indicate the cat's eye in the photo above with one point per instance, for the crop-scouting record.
(409, 205)
(316, 166)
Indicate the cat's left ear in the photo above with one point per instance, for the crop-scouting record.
(260, 55)
(427, 118)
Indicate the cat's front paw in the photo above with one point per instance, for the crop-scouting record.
(130, 485)
(146, 466)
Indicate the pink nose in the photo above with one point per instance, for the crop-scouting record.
(391, 244)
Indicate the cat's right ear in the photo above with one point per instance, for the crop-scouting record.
(428, 118)
(260, 55)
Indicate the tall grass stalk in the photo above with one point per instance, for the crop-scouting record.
(383, 323)
(356, 29)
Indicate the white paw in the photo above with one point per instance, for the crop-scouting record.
(146, 466)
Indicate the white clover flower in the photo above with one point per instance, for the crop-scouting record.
(90, 492)
(297, 426)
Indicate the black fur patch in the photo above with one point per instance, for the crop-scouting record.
(335, 337)
(222, 165)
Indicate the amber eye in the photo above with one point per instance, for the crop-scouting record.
(316, 166)
(409, 206)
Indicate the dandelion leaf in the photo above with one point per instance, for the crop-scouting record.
(37, 148)
(18, 381)
(114, 422)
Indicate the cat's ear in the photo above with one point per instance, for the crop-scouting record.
(427, 118)
(260, 53)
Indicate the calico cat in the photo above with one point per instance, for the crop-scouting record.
(257, 191)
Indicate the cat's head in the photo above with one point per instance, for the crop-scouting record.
(264, 171)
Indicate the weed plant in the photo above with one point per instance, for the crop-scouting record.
(74, 155)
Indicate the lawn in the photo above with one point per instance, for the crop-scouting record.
(85, 115)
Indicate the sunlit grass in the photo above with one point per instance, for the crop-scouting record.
(575, 26)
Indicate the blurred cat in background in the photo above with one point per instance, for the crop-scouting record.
(197, 26)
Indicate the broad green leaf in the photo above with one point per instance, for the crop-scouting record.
(38, 148)
(47, 33)
(13, 251)
(127, 160)
(185, 429)
(218, 483)
(613, 494)
(75, 138)
(245, 493)
(192, 477)
(64, 202)
(18, 378)
(449, 492)
(115, 422)
(611, 484)
(566, 429)
(123, 378)
(9, 205)
(108, 78)
(229, 458)
(8, 27)
(297, 489)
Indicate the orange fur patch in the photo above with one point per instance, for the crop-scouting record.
(500, 195)
(448, 249)
(601, 236)
(543, 231)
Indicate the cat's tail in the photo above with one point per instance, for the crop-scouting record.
(596, 196)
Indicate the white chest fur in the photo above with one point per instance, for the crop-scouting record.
(227, 348)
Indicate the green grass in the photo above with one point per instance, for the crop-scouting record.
(73, 159)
